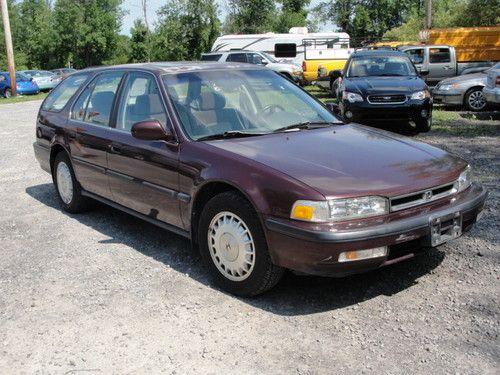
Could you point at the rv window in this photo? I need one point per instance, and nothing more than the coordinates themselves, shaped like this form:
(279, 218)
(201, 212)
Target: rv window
(285, 50)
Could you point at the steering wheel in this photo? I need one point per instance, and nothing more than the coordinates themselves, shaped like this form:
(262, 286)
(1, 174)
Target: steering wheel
(272, 108)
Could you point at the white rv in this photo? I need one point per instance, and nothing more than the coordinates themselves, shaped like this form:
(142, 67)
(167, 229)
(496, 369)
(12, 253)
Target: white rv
(297, 45)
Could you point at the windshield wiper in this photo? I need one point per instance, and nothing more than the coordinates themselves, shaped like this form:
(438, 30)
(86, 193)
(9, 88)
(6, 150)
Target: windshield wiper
(389, 75)
(306, 125)
(229, 134)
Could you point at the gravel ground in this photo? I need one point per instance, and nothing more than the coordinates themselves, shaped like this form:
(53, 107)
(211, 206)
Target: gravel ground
(103, 293)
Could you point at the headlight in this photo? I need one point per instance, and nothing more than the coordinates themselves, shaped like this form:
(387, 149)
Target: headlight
(448, 87)
(421, 95)
(339, 209)
(352, 97)
(465, 179)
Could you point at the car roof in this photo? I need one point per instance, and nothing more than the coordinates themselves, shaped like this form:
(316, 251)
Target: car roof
(378, 53)
(178, 66)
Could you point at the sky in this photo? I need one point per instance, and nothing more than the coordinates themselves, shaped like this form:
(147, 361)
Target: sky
(134, 9)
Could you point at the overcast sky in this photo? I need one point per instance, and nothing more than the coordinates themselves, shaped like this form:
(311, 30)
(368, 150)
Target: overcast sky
(134, 9)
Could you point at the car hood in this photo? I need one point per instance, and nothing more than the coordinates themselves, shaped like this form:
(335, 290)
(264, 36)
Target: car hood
(385, 85)
(476, 77)
(350, 160)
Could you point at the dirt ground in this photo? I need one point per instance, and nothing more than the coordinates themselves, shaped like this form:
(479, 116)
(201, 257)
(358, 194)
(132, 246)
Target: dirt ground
(103, 293)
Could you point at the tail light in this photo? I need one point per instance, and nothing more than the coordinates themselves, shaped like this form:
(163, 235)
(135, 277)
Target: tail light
(497, 82)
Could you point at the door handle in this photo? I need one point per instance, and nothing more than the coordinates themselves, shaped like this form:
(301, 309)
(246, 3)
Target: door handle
(114, 149)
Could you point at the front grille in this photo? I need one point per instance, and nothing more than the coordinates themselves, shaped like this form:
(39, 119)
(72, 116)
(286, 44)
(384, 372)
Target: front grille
(422, 197)
(384, 99)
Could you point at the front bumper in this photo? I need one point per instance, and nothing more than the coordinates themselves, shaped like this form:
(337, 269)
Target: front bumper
(364, 112)
(454, 98)
(492, 95)
(314, 249)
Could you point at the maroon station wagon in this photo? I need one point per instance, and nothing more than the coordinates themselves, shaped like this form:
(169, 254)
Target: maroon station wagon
(257, 173)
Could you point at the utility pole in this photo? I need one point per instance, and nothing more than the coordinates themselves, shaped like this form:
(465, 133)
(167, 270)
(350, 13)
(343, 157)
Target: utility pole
(428, 14)
(148, 35)
(8, 46)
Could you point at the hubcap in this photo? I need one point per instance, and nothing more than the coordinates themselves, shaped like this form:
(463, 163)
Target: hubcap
(64, 182)
(477, 100)
(231, 246)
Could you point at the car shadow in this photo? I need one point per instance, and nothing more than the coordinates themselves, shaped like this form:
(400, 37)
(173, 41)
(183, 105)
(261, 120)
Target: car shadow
(294, 295)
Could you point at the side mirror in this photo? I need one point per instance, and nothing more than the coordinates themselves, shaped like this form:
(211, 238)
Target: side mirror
(151, 130)
(332, 107)
(264, 62)
(336, 73)
(423, 73)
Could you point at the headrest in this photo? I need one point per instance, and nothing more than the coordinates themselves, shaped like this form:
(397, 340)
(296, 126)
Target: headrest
(103, 99)
(148, 104)
(210, 100)
(394, 66)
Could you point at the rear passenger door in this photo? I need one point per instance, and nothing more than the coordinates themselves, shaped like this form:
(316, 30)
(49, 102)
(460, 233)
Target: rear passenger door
(143, 175)
(89, 132)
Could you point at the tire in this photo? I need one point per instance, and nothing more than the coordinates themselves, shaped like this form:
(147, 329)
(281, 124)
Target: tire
(229, 220)
(474, 100)
(7, 94)
(423, 125)
(67, 187)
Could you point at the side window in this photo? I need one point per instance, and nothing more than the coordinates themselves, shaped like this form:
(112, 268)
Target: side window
(237, 57)
(255, 58)
(439, 55)
(101, 100)
(80, 106)
(416, 55)
(141, 101)
(58, 97)
(210, 57)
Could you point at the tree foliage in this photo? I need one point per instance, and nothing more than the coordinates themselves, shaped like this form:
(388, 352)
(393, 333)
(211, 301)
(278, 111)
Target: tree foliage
(140, 49)
(250, 16)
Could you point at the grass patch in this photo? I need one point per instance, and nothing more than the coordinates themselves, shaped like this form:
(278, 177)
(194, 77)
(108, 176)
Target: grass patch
(23, 98)
(468, 130)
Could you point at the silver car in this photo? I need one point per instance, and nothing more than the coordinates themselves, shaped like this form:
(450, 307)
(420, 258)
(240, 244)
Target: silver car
(466, 90)
(492, 89)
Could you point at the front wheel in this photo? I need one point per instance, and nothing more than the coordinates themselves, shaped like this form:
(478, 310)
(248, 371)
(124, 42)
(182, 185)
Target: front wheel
(7, 94)
(423, 125)
(475, 100)
(234, 248)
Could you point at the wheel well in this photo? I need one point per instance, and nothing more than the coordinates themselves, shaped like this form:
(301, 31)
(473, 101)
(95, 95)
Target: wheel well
(56, 149)
(206, 193)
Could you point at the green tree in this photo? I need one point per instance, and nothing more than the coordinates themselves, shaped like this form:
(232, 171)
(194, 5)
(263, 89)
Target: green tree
(185, 29)
(139, 43)
(250, 16)
(293, 13)
(86, 31)
(35, 39)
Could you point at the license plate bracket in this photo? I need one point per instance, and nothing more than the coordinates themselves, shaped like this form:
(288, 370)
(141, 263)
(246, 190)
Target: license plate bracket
(445, 228)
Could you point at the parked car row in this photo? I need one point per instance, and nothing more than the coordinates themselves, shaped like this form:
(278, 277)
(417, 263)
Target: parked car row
(31, 82)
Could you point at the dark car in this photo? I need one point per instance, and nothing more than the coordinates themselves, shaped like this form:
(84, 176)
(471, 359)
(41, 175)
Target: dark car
(250, 167)
(383, 85)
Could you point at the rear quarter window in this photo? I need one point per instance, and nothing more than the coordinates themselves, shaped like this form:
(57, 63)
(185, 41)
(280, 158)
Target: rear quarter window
(61, 95)
(211, 57)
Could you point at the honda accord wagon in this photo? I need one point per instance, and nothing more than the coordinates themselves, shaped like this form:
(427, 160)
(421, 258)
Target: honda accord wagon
(258, 174)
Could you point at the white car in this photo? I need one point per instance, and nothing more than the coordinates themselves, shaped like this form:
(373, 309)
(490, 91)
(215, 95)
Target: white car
(291, 71)
(492, 89)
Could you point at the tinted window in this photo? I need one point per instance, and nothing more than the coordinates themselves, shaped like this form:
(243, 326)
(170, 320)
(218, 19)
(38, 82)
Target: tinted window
(101, 100)
(141, 101)
(80, 106)
(371, 66)
(255, 58)
(237, 57)
(210, 57)
(439, 55)
(58, 97)
(416, 55)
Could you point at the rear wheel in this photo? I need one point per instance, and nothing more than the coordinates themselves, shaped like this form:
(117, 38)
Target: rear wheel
(234, 248)
(7, 93)
(474, 99)
(68, 188)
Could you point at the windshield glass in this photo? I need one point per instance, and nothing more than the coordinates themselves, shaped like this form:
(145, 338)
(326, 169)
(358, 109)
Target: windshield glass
(250, 101)
(373, 66)
(269, 57)
(21, 77)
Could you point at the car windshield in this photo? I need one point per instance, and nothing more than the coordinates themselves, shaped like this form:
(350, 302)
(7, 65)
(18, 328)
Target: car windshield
(269, 57)
(21, 77)
(242, 101)
(374, 66)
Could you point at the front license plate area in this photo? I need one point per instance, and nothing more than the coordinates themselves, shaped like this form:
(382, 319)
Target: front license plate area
(445, 228)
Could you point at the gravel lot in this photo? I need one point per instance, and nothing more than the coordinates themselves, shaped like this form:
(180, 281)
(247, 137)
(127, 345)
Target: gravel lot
(103, 293)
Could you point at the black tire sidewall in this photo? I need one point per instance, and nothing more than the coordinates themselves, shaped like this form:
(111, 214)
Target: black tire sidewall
(423, 125)
(234, 203)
